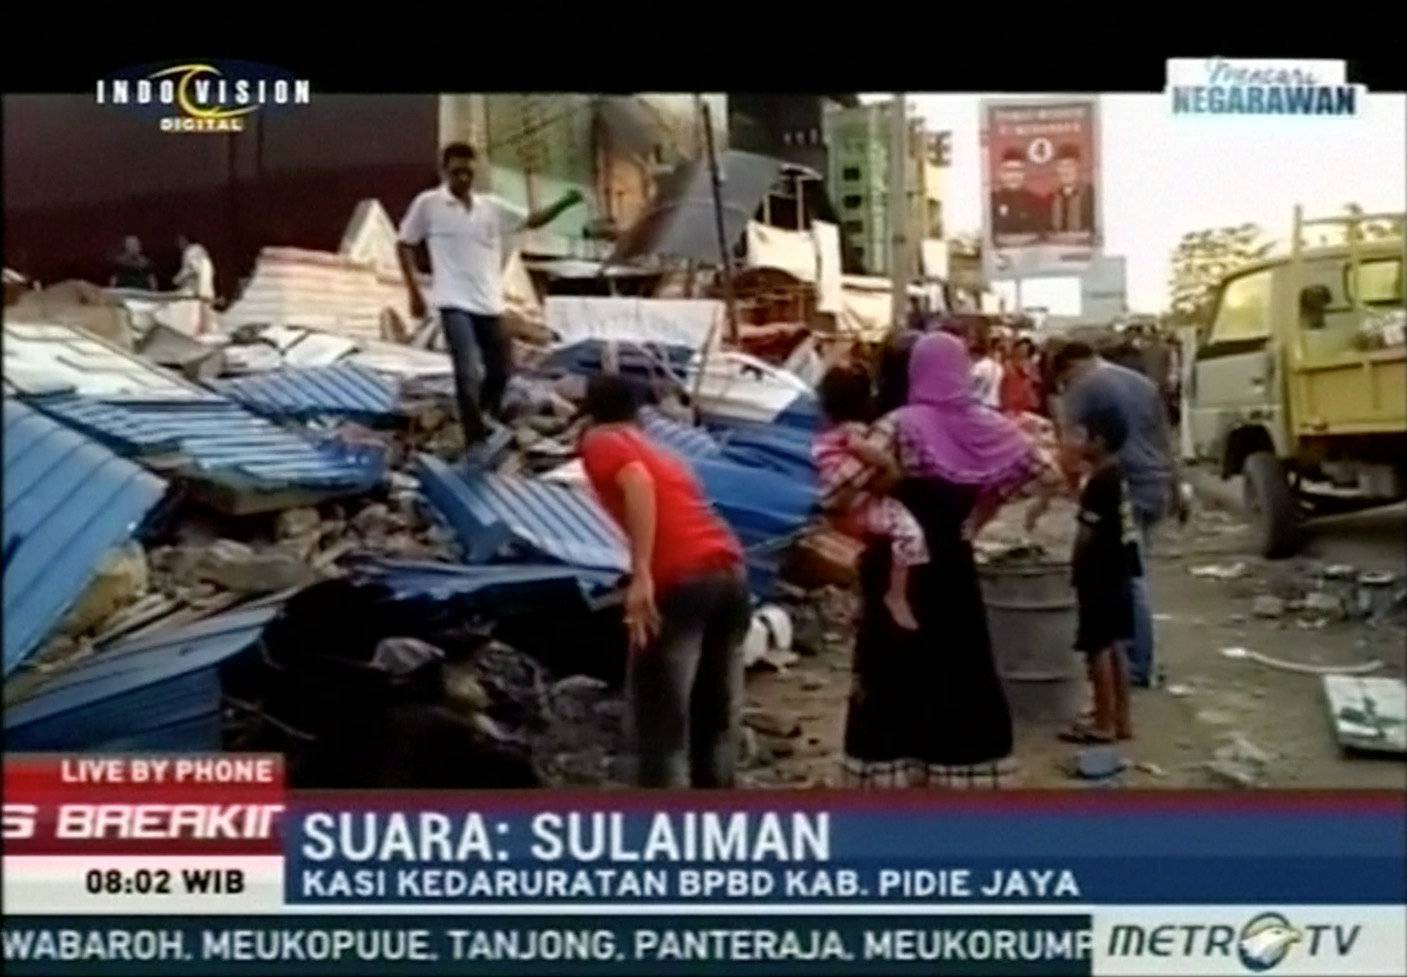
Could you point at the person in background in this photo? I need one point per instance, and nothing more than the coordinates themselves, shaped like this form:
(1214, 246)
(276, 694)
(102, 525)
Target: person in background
(986, 371)
(196, 278)
(131, 268)
(927, 707)
(1147, 460)
(1071, 206)
(1016, 210)
(859, 506)
(1104, 566)
(1019, 392)
(686, 606)
(465, 233)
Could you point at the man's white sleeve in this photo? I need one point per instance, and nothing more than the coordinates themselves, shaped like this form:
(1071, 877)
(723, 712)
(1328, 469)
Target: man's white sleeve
(511, 217)
(413, 227)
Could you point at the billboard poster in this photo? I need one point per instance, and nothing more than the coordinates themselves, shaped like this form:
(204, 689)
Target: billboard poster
(1041, 186)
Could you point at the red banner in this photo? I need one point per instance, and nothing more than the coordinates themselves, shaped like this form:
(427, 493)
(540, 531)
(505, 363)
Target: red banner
(216, 804)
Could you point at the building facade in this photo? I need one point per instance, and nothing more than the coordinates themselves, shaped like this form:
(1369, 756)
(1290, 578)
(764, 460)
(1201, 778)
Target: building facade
(857, 170)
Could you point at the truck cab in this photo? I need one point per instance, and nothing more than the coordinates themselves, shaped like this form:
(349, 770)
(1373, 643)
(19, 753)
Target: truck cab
(1299, 379)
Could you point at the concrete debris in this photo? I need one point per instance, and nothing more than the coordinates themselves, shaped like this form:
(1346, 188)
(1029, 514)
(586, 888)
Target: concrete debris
(1318, 602)
(238, 567)
(1268, 606)
(772, 723)
(401, 657)
(778, 660)
(1213, 571)
(464, 691)
(121, 580)
(375, 521)
(487, 726)
(297, 522)
(574, 697)
(1368, 714)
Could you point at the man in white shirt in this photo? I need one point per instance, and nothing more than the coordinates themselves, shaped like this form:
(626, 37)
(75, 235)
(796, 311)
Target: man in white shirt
(986, 372)
(196, 278)
(466, 233)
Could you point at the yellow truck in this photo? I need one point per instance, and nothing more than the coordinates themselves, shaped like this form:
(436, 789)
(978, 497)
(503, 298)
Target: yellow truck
(1299, 379)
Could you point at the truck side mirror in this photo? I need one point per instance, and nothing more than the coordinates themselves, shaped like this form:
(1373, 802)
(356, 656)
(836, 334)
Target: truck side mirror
(1314, 299)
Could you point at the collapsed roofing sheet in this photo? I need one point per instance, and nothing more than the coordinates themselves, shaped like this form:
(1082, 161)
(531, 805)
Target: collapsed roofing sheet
(680, 221)
(681, 323)
(412, 579)
(340, 390)
(42, 358)
(68, 502)
(222, 442)
(691, 442)
(321, 290)
(487, 511)
(159, 691)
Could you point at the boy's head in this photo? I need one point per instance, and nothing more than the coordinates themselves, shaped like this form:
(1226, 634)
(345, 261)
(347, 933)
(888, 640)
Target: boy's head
(845, 394)
(609, 400)
(1105, 432)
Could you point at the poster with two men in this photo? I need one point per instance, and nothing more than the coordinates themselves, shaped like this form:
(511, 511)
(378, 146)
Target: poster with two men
(1041, 185)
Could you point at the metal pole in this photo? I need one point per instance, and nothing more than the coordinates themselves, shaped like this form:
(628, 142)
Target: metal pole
(898, 211)
(725, 257)
(724, 252)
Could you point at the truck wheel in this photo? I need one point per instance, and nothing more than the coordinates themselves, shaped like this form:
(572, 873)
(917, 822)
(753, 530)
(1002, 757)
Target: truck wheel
(1272, 507)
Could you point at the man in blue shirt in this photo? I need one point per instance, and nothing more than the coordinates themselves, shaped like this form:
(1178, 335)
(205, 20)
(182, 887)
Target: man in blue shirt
(1147, 460)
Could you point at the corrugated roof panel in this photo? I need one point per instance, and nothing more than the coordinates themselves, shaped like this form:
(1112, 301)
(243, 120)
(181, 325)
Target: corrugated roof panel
(222, 440)
(40, 358)
(691, 442)
(449, 581)
(157, 691)
(68, 502)
(304, 393)
(486, 510)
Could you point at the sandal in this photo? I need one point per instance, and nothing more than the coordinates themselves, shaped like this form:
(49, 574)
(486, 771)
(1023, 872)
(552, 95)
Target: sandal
(1085, 734)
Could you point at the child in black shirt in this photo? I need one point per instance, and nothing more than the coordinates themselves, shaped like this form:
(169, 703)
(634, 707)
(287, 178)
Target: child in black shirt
(1104, 563)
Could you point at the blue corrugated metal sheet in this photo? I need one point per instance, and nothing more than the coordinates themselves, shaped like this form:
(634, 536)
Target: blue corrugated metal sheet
(156, 692)
(776, 447)
(222, 442)
(487, 510)
(68, 502)
(410, 579)
(338, 390)
(691, 442)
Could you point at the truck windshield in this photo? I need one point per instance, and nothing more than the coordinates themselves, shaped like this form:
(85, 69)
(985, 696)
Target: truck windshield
(1379, 282)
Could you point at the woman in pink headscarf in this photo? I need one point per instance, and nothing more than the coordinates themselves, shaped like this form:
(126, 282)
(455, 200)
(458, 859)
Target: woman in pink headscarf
(926, 706)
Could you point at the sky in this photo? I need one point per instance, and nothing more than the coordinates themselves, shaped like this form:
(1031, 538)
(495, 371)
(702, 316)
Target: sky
(1164, 176)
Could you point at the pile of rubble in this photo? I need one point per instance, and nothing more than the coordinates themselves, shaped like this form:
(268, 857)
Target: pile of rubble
(268, 542)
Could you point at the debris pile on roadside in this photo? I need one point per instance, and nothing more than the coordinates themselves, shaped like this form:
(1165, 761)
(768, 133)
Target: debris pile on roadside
(269, 541)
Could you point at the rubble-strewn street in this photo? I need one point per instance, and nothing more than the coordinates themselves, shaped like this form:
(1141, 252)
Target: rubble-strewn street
(1216, 721)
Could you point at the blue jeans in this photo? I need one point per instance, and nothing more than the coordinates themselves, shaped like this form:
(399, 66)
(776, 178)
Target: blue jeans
(480, 353)
(1141, 650)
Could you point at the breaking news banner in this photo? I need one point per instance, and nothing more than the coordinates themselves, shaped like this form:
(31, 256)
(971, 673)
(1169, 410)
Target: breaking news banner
(206, 864)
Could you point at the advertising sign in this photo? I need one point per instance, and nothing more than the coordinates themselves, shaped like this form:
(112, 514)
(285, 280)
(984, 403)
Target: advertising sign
(1041, 186)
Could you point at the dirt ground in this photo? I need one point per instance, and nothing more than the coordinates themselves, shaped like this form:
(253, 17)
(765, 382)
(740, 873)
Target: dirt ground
(1206, 702)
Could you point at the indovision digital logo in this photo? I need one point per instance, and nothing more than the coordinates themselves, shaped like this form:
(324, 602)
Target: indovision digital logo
(204, 96)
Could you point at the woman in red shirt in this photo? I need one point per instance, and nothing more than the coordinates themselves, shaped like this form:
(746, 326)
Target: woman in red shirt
(1019, 393)
(686, 608)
